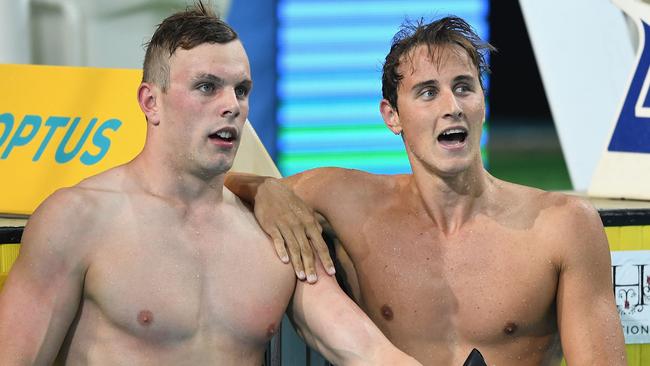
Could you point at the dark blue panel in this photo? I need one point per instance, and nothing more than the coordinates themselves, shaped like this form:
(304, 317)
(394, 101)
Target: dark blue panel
(632, 132)
(255, 22)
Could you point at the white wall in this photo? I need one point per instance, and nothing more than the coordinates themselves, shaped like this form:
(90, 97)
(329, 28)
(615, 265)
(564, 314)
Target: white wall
(14, 16)
(101, 33)
(585, 56)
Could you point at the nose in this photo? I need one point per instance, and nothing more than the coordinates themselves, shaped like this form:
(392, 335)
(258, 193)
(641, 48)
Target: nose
(230, 107)
(451, 106)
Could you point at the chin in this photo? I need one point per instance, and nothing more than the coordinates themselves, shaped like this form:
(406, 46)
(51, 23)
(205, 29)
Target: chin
(223, 167)
(214, 168)
(453, 167)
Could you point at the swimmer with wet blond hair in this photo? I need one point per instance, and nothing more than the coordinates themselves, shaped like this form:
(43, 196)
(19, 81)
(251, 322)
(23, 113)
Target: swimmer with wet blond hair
(450, 258)
(154, 262)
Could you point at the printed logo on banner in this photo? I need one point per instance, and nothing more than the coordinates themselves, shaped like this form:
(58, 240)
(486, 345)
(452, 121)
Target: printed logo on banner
(78, 122)
(624, 168)
(631, 284)
(632, 131)
(63, 149)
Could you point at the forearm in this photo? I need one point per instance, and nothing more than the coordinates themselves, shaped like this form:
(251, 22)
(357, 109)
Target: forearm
(363, 346)
(244, 185)
(333, 324)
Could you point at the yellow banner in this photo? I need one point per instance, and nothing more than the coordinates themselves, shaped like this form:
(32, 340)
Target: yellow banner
(59, 125)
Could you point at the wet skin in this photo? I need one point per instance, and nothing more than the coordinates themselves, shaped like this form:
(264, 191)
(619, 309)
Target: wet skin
(168, 283)
(155, 263)
(450, 258)
(437, 295)
(148, 263)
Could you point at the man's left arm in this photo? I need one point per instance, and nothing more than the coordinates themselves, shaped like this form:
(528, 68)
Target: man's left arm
(589, 324)
(335, 326)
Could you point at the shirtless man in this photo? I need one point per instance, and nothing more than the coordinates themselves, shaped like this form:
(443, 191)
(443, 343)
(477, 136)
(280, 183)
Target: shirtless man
(154, 262)
(449, 258)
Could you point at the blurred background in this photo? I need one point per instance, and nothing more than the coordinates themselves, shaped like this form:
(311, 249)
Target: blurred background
(316, 68)
(317, 73)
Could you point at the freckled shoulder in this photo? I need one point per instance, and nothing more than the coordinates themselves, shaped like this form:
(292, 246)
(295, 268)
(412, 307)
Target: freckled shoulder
(571, 212)
(567, 226)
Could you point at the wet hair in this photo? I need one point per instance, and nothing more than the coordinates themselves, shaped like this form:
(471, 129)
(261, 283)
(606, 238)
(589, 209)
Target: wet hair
(449, 30)
(186, 29)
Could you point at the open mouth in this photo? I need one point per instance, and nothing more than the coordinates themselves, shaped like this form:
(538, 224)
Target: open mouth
(226, 134)
(453, 136)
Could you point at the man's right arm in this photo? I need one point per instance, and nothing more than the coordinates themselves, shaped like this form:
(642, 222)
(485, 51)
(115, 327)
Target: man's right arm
(331, 323)
(41, 296)
(287, 218)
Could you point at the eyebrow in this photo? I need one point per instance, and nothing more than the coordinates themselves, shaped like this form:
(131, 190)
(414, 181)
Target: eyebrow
(434, 83)
(424, 84)
(247, 83)
(208, 77)
(465, 78)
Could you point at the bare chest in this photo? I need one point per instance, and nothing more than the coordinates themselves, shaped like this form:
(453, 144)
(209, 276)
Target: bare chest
(482, 286)
(179, 282)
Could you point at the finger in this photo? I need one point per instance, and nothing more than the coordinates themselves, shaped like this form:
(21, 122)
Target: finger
(321, 249)
(278, 243)
(294, 251)
(306, 253)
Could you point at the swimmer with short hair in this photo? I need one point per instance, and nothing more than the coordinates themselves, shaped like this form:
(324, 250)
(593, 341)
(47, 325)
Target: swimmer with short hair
(155, 262)
(449, 258)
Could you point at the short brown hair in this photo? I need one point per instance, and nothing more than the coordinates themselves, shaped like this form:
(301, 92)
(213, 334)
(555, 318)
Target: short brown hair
(447, 30)
(186, 29)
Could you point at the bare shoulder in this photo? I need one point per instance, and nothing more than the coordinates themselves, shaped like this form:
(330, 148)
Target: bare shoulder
(578, 228)
(62, 208)
(237, 206)
(570, 213)
(344, 193)
(568, 225)
(54, 235)
(336, 181)
(68, 215)
(543, 207)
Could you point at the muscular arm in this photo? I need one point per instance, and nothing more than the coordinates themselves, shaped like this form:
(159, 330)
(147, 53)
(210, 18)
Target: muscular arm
(590, 327)
(285, 208)
(41, 295)
(331, 323)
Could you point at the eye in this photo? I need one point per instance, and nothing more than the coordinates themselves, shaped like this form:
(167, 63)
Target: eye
(206, 88)
(462, 89)
(429, 93)
(241, 91)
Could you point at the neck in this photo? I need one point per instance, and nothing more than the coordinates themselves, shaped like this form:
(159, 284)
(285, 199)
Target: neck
(451, 201)
(166, 178)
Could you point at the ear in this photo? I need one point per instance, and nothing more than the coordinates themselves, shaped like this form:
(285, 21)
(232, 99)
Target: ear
(147, 98)
(390, 116)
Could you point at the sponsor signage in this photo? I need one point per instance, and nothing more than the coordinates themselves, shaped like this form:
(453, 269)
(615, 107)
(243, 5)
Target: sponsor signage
(59, 125)
(631, 284)
(624, 168)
